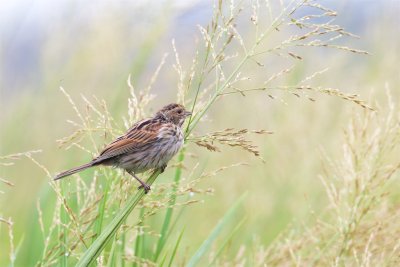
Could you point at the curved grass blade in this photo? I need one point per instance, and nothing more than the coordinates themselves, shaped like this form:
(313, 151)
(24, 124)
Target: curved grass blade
(110, 230)
(163, 260)
(62, 230)
(111, 258)
(228, 239)
(176, 247)
(101, 210)
(168, 215)
(215, 232)
(139, 242)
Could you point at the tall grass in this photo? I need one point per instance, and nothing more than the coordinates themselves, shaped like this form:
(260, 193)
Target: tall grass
(104, 220)
(6, 161)
(359, 226)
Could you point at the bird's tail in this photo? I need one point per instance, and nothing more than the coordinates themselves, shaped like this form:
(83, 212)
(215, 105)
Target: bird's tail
(74, 170)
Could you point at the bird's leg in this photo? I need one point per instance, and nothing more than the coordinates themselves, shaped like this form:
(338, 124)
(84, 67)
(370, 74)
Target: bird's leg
(143, 185)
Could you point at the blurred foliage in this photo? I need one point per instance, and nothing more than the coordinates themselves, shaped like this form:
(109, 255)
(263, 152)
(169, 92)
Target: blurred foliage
(284, 192)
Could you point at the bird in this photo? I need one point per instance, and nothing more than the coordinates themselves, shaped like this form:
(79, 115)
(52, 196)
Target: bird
(148, 144)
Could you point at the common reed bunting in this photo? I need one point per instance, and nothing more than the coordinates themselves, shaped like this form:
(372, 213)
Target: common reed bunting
(148, 144)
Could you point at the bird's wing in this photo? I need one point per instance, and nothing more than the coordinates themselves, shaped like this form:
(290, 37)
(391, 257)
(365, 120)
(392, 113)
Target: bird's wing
(138, 137)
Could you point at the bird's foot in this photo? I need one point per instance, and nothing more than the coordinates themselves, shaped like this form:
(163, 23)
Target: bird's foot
(146, 187)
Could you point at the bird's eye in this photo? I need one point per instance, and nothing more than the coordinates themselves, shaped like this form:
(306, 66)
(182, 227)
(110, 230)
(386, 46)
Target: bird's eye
(180, 111)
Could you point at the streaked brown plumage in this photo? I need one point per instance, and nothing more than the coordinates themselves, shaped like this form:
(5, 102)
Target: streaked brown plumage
(148, 144)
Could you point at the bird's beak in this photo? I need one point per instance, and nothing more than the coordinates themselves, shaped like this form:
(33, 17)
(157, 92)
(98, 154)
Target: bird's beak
(187, 113)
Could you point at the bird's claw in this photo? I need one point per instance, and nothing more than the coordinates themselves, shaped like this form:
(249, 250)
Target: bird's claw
(146, 188)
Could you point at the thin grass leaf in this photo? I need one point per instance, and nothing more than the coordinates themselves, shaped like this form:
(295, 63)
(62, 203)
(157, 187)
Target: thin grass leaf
(163, 260)
(139, 244)
(121, 251)
(214, 234)
(111, 258)
(228, 239)
(100, 216)
(142, 254)
(168, 215)
(62, 229)
(177, 217)
(176, 247)
(110, 230)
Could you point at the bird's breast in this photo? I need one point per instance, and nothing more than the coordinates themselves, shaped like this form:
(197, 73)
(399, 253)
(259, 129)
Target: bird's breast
(171, 137)
(158, 153)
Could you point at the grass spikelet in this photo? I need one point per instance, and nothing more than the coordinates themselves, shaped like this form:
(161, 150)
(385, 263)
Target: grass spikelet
(229, 137)
(6, 182)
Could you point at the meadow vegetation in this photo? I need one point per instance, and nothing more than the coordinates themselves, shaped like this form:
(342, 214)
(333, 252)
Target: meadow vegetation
(284, 163)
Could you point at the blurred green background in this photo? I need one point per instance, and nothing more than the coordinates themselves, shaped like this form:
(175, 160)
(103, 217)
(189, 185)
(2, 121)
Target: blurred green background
(90, 48)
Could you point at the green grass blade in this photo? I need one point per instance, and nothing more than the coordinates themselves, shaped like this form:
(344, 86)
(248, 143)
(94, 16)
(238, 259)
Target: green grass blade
(215, 232)
(100, 216)
(121, 251)
(63, 232)
(229, 238)
(139, 242)
(110, 230)
(168, 215)
(182, 209)
(111, 258)
(176, 247)
(163, 260)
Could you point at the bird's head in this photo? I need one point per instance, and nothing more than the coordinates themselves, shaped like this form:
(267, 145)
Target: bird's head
(175, 113)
